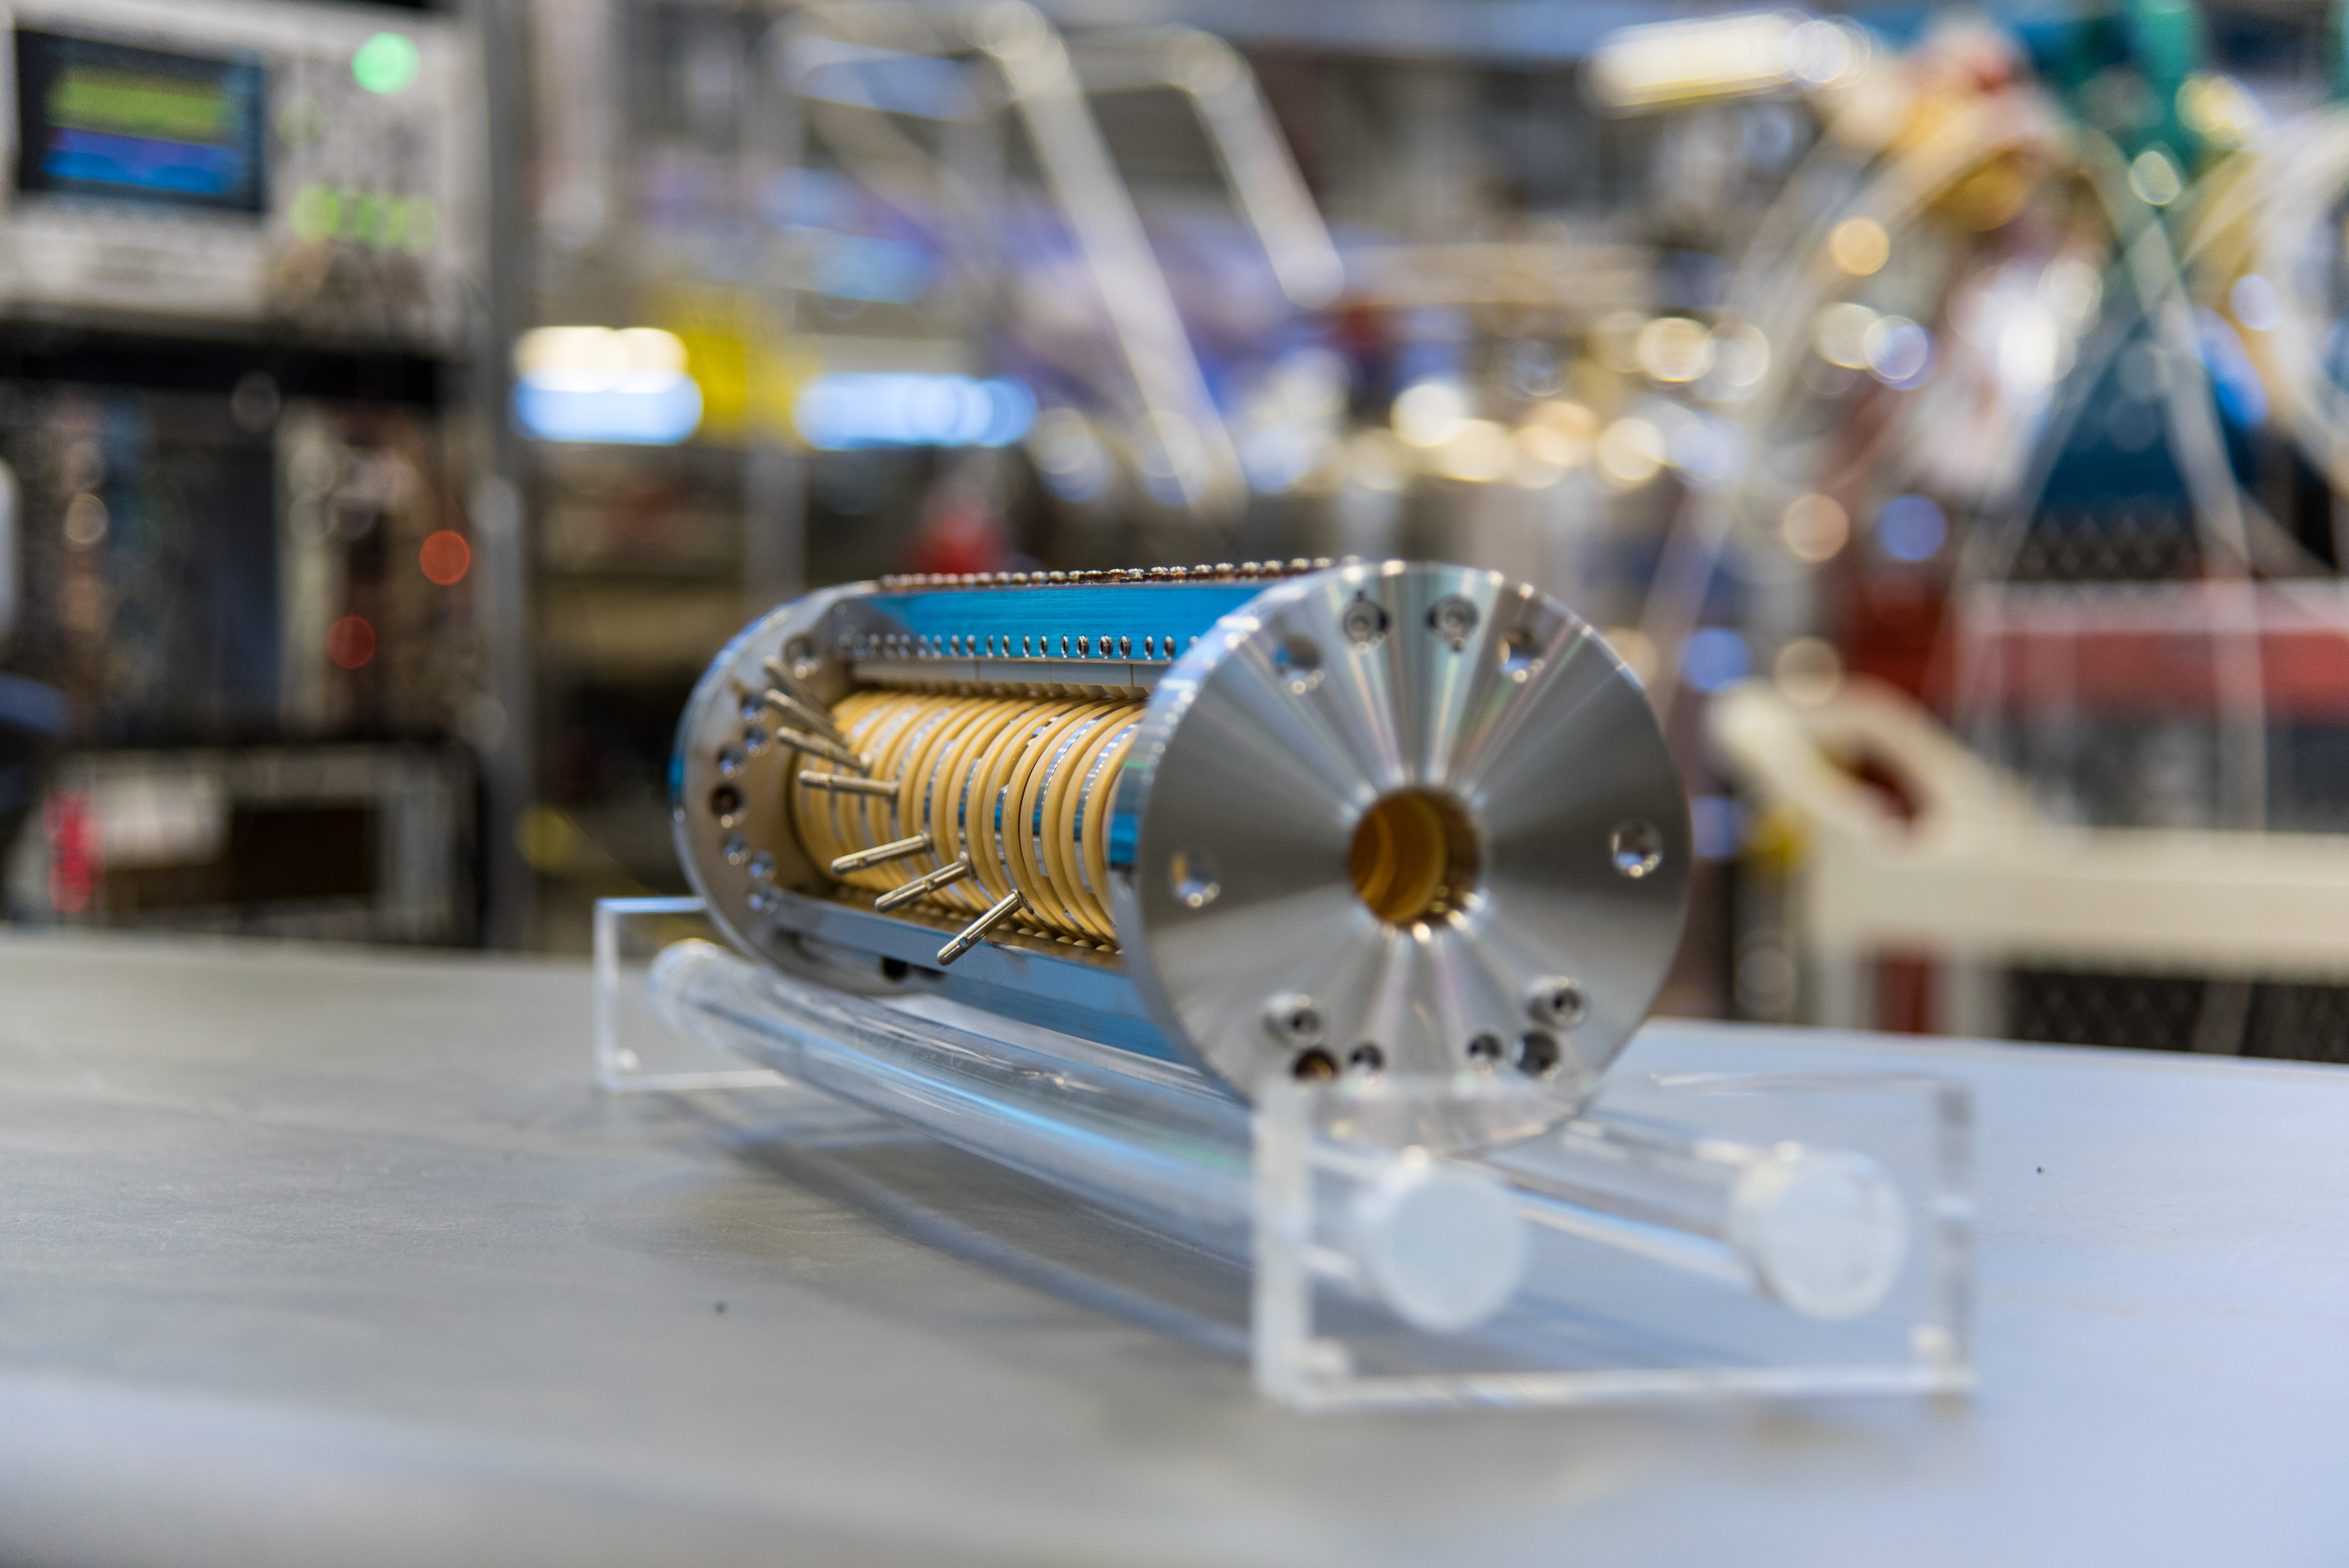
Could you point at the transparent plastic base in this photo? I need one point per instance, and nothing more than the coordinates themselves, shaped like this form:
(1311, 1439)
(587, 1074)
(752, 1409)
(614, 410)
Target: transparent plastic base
(1704, 1237)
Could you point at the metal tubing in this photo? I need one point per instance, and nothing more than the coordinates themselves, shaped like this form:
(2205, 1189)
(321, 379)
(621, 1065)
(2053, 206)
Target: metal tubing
(848, 783)
(945, 876)
(880, 853)
(816, 746)
(978, 929)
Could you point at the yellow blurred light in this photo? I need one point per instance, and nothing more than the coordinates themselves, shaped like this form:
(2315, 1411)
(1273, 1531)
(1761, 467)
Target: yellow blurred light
(547, 838)
(1859, 246)
(1631, 452)
(2155, 179)
(1676, 62)
(1551, 445)
(2218, 109)
(1674, 348)
(1571, 420)
(1429, 413)
(1840, 334)
(1815, 526)
(598, 355)
(1808, 670)
(1478, 452)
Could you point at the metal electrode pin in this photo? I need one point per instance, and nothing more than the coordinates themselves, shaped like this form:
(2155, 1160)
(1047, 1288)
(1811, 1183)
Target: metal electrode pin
(945, 876)
(814, 718)
(879, 853)
(816, 746)
(977, 930)
(848, 783)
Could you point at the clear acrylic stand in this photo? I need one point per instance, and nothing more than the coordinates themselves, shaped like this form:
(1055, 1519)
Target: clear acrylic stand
(635, 1053)
(1707, 1237)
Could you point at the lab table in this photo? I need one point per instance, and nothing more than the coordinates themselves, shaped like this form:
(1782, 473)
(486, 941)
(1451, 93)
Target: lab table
(324, 1255)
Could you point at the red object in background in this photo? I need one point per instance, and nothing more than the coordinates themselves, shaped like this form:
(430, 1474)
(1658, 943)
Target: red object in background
(961, 536)
(1904, 994)
(1892, 629)
(2156, 654)
(445, 557)
(350, 641)
(76, 851)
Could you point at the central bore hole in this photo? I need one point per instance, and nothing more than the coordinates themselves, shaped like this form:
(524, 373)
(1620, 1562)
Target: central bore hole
(1414, 855)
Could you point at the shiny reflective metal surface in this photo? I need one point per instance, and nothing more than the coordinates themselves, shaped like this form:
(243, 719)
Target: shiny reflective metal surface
(1380, 817)
(1262, 752)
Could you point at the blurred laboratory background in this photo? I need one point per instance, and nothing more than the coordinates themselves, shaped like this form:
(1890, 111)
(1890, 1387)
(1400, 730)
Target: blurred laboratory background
(1944, 409)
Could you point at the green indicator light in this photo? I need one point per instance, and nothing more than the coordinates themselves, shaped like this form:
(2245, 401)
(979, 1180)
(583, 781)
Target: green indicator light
(385, 63)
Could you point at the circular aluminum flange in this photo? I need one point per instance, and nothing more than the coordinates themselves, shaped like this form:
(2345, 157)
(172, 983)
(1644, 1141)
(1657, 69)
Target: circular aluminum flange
(727, 782)
(1235, 862)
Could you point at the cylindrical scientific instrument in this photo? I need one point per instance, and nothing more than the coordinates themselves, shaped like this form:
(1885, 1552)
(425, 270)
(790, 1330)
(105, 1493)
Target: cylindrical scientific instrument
(1302, 820)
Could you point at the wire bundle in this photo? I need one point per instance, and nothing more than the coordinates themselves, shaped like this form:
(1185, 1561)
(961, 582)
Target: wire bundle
(1020, 785)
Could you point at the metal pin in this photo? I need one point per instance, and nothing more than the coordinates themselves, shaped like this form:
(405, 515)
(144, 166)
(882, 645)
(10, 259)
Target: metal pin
(849, 784)
(814, 718)
(785, 681)
(945, 876)
(879, 853)
(815, 746)
(978, 929)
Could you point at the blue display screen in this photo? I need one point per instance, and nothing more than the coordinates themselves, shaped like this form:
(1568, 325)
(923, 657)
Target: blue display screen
(102, 119)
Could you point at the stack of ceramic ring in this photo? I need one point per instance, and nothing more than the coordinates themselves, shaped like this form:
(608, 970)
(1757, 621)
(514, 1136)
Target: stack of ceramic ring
(1019, 787)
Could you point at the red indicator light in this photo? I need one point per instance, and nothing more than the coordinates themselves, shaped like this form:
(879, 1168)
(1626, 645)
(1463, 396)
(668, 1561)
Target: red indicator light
(350, 641)
(446, 557)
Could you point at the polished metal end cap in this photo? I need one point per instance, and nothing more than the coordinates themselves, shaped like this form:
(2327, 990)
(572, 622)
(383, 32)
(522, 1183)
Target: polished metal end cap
(1403, 818)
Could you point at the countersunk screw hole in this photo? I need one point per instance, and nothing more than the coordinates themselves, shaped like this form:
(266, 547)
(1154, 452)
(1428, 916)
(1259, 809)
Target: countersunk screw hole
(1191, 873)
(1453, 619)
(1363, 622)
(1485, 1049)
(1637, 848)
(1299, 661)
(1367, 1057)
(1520, 656)
(1557, 1003)
(1314, 1066)
(1293, 1019)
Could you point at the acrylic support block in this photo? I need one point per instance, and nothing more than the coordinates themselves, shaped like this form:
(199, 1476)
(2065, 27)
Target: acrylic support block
(636, 1053)
(1705, 1238)
(1710, 1237)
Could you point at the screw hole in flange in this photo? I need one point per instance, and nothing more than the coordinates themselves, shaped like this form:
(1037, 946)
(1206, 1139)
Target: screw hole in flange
(1363, 622)
(725, 804)
(1521, 656)
(1192, 876)
(1538, 1054)
(1637, 848)
(1367, 1057)
(1314, 1066)
(1298, 661)
(1557, 1003)
(1453, 619)
(1485, 1050)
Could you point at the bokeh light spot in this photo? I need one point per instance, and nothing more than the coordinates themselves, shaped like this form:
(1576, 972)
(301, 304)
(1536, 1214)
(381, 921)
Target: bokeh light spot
(1859, 246)
(445, 557)
(386, 63)
(350, 641)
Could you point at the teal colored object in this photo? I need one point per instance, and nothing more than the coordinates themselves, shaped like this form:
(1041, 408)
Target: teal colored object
(386, 63)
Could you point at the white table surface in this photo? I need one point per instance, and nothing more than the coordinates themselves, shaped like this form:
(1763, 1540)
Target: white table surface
(327, 1256)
